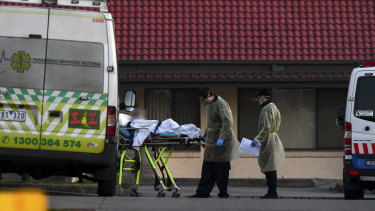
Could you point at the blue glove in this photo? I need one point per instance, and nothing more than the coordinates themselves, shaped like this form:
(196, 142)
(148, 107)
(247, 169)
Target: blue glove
(219, 142)
(254, 143)
(203, 138)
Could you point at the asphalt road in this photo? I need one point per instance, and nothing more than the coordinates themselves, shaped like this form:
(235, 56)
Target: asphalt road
(153, 203)
(242, 198)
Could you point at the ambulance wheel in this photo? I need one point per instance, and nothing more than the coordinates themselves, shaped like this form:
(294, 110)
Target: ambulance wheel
(352, 189)
(108, 187)
(353, 194)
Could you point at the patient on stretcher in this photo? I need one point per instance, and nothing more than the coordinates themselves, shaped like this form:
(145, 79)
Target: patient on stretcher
(144, 128)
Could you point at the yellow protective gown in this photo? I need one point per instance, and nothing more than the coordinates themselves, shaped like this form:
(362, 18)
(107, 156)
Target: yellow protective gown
(219, 125)
(272, 155)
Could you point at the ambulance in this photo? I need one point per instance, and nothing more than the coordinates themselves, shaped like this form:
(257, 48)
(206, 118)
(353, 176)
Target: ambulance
(59, 90)
(359, 124)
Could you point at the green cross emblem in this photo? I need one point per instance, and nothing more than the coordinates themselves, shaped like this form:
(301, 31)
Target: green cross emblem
(20, 61)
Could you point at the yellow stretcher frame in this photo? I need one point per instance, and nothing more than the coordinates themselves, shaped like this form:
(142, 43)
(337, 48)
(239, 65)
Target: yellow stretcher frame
(160, 145)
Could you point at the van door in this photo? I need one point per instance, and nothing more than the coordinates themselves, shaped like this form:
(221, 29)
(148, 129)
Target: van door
(23, 38)
(75, 105)
(363, 121)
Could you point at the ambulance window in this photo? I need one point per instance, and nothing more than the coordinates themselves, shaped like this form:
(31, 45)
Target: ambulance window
(75, 66)
(22, 62)
(364, 105)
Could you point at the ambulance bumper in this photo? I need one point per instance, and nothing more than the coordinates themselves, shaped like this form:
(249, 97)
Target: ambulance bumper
(45, 157)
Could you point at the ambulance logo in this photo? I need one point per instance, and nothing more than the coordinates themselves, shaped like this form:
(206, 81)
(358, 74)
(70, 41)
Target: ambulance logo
(84, 119)
(21, 61)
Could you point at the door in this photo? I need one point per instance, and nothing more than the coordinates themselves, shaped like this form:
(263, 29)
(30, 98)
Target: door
(23, 37)
(75, 102)
(363, 121)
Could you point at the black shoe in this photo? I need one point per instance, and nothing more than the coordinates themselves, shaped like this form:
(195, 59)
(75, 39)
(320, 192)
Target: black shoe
(223, 195)
(270, 196)
(199, 196)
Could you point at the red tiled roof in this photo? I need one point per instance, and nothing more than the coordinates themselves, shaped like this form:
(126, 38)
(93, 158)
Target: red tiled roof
(236, 76)
(244, 30)
(49, 6)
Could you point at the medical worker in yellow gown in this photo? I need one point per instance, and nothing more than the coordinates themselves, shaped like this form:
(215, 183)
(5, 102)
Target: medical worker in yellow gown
(272, 155)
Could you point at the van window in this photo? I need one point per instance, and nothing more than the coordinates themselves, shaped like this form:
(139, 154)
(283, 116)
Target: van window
(364, 105)
(75, 66)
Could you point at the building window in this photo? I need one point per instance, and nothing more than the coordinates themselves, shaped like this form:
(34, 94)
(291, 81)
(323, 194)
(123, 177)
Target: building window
(181, 105)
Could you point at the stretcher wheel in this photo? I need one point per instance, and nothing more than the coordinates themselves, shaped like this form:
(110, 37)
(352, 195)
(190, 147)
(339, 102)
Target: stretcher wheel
(176, 194)
(161, 193)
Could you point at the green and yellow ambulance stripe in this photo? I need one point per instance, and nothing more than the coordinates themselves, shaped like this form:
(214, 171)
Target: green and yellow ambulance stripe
(56, 133)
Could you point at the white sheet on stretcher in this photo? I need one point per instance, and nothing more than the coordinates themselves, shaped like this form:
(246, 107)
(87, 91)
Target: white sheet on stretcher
(167, 126)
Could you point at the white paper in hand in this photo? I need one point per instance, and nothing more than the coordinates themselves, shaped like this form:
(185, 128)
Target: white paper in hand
(245, 147)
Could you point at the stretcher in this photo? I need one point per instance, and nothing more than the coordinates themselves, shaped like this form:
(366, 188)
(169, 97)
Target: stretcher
(161, 144)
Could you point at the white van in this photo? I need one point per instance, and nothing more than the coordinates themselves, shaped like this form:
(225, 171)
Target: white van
(59, 91)
(359, 152)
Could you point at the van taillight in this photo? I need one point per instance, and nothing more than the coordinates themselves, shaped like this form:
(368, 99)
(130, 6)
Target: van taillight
(348, 138)
(111, 121)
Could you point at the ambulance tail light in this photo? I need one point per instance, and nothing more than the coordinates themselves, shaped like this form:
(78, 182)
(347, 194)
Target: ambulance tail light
(111, 121)
(348, 138)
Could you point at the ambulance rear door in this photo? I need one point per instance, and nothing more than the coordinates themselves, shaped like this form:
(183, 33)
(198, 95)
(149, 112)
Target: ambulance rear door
(23, 35)
(76, 94)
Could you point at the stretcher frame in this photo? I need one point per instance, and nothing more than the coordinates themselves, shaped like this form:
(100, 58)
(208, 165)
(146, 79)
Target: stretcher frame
(160, 145)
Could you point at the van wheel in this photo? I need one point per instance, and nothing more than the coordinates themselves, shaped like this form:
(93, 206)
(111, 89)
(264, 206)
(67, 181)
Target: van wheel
(353, 194)
(108, 187)
(352, 189)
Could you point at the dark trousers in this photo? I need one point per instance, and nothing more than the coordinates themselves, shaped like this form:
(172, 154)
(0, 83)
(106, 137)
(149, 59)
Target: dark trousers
(214, 172)
(271, 177)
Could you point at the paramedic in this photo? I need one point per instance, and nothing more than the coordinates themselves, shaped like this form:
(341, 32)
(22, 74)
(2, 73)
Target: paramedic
(272, 155)
(220, 140)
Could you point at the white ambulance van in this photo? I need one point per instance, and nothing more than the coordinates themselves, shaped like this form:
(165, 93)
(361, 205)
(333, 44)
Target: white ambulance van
(359, 148)
(58, 91)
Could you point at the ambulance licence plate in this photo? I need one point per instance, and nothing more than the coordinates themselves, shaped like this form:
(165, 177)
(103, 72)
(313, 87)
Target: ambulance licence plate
(370, 162)
(19, 116)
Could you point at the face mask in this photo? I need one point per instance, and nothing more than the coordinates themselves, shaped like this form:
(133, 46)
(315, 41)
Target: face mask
(204, 102)
(260, 102)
